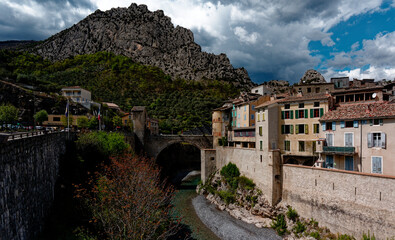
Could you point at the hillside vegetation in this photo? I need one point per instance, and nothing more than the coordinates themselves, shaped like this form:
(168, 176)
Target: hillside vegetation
(178, 104)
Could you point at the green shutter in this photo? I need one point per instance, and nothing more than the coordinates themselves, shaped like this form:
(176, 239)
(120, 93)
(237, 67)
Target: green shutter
(292, 129)
(292, 114)
(296, 114)
(296, 129)
(306, 129)
(306, 113)
(282, 114)
(311, 113)
(321, 112)
(282, 129)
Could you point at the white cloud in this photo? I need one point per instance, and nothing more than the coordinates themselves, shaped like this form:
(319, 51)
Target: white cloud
(245, 37)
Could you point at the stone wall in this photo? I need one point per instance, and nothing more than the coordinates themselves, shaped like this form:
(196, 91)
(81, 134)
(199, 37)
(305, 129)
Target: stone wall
(261, 166)
(343, 201)
(207, 163)
(28, 172)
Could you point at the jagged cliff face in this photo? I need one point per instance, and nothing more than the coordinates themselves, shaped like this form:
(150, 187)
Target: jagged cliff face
(312, 76)
(147, 37)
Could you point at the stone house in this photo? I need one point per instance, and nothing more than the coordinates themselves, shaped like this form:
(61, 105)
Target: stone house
(359, 138)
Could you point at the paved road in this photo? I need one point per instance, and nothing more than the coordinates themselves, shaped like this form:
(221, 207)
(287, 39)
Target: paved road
(226, 227)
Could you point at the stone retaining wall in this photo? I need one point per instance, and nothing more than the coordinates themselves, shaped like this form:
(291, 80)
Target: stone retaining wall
(28, 173)
(344, 201)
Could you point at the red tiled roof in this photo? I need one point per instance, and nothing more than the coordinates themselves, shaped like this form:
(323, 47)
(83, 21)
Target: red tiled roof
(265, 104)
(361, 111)
(305, 98)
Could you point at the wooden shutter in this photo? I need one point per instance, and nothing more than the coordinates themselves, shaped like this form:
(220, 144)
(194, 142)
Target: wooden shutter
(282, 114)
(306, 113)
(356, 124)
(321, 112)
(342, 124)
(296, 114)
(263, 116)
(324, 126)
(292, 129)
(296, 128)
(383, 142)
(306, 128)
(311, 113)
(333, 126)
(292, 114)
(370, 140)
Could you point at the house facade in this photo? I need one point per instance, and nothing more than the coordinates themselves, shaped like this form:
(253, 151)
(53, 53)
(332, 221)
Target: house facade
(78, 95)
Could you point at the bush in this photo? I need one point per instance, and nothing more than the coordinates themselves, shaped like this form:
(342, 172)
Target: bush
(231, 173)
(279, 224)
(227, 196)
(292, 214)
(315, 235)
(299, 227)
(368, 237)
(345, 237)
(313, 222)
(246, 183)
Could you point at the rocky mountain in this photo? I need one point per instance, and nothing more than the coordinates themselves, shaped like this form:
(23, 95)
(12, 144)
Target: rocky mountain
(312, 76)
(147, 37)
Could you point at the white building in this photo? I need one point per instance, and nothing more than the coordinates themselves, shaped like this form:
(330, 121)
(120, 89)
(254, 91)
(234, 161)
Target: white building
(78, 95)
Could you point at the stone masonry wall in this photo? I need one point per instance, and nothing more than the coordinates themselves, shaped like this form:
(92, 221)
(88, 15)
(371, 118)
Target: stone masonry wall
(28, 172)
(345, 202)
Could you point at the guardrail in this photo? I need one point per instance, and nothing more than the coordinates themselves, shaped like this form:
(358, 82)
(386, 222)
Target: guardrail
(339, 150)
(16, 136)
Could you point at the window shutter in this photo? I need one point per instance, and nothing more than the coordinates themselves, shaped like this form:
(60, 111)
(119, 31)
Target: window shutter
(296, 129)
(323, 126)
(311, 113)
(282, 129)
(342, 124)
(321, 112)
(383, 145)
(263, 116)
(333, 126)
(258, 117)
(282, 114)
(306, 128)
(292, 114)
(371, 122)
(292, 129)
(306, 113)
(381, 122)
(370, 140)
(356, 124)
(296, 114)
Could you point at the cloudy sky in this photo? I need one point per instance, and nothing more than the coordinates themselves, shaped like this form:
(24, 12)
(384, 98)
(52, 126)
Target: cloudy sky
(272, 39)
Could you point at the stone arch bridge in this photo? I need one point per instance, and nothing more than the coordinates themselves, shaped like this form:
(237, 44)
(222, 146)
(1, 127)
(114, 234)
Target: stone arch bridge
(155, 144)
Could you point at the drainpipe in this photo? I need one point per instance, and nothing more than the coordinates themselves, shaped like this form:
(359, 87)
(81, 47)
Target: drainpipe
(360, 151)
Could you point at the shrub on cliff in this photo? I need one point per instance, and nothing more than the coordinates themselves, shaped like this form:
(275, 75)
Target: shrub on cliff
(246, 183)
(231, 173)
(129, 201)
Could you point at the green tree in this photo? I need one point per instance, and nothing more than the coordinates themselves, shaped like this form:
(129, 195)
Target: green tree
(93, 123)
(41, 116)
(67, 121)
(117, 121)
(83, 122)
(8, 113)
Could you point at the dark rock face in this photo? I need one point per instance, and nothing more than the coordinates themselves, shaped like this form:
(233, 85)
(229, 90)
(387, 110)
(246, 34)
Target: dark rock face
(147, 37)
(312, 76)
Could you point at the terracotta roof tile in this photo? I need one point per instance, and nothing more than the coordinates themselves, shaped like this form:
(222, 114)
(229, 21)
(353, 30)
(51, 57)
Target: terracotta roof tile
(361, 111)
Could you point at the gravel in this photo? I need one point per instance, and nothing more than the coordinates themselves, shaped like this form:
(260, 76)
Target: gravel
(225, 226)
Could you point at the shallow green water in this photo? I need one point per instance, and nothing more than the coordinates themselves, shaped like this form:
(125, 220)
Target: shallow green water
(183, 207)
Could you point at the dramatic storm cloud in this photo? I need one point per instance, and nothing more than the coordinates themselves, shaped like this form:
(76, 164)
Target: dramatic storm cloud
(272, 39)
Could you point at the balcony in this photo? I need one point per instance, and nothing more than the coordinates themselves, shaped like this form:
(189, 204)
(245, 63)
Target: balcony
(349, 151)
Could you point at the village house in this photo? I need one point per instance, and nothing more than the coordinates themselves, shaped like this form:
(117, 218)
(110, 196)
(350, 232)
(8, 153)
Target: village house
(78, 95)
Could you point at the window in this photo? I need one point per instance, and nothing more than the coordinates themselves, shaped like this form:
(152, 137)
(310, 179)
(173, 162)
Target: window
(317, 90)
(256, 91)
(287, 114)
(301, 105)
(377, 122)
(287, 145)
(349, 98)
(287, 106)
(339, 99)
(316, 113)
(376, 140)
(238, 115)
(329, 161)
(329, 126)
(287, 129)
(316, 127)
(260, 145)
(56, 119)
(329, 139)
(301, 114)
(349, 163)
(245, 108)
(301, 146)
(359, 97)
(349, 124)
(377, 164)
(348, 139)
(316, 104)
(252, 116)
(259, 119)
(309, 90)
(245, 117)
(301, 128)
(253, 107)
(260, 131)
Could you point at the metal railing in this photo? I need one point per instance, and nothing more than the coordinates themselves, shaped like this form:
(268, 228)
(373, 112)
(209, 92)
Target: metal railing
(339, 150)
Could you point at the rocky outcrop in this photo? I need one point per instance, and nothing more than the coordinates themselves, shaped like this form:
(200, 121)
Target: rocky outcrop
(312, 76)
(147, 37)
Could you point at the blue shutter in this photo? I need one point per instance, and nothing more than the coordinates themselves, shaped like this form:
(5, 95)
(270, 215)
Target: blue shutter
(333, 126)
(323, 126)
(356, 124)
(342, 125)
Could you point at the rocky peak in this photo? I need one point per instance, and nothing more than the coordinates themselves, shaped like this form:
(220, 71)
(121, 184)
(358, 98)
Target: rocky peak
(147, 37)
(312, 76)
